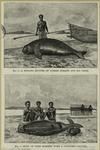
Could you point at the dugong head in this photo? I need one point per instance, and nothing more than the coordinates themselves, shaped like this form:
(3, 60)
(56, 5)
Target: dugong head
(27, 49)
(33, 48)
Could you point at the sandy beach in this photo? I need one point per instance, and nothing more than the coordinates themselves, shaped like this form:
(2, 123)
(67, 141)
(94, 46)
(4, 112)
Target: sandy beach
(14, 58)
(88, 132)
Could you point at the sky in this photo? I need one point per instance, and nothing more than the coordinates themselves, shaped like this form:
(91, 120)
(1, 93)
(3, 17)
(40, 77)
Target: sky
(63, 90)
(24, 16)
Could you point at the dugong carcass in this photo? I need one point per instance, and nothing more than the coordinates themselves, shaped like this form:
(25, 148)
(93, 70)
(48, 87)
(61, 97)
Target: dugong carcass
(50, 47)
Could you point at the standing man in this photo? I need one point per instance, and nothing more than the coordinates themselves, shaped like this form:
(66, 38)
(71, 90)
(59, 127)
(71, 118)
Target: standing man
(42, 28)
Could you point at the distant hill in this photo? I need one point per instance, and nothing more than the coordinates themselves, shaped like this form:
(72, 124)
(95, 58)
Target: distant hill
(12, 107)
(26, 32)
(19, 32)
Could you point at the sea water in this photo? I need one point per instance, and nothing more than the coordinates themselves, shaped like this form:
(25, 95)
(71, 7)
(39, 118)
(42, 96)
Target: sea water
(10, 43)
(19, 112)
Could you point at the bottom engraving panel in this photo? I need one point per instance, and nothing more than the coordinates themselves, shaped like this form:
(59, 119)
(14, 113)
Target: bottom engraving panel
(50, 109)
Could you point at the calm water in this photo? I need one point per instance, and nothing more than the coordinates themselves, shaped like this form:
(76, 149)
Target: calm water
(19, 112)
(10, 43)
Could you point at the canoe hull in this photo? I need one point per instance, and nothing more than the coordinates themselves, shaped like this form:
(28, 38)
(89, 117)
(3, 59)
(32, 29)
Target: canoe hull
(83, 34)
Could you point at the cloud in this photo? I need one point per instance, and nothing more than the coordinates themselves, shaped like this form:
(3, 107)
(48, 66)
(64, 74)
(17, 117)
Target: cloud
(25, 15)
(63, 90)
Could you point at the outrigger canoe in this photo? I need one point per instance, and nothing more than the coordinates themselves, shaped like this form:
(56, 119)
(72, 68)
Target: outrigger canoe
(45, 128)
(83, 34)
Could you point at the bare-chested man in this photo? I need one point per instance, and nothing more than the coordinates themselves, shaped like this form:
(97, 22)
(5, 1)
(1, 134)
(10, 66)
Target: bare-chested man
(27, 112)
(51, 113)
(39, 113)
(42, 28)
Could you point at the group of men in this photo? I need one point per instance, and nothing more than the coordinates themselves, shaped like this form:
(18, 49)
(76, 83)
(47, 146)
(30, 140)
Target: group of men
(37, 113)
(42, 29)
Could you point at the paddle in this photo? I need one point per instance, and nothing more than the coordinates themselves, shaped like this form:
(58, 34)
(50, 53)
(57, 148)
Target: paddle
(36, 35)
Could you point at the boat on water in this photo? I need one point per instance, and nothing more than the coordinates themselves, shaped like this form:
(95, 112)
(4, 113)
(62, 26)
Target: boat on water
(83, 34)
(45, 127)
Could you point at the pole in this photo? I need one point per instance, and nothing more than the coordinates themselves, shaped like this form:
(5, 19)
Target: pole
(35, 34)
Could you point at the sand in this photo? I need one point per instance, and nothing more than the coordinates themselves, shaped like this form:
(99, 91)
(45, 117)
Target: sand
(88, 132)
(14, 58)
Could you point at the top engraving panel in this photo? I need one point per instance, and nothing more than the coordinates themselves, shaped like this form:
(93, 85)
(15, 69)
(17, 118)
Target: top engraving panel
(50, 35)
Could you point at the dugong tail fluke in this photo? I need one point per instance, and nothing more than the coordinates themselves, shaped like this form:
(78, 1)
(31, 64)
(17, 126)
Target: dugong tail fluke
(50, 47)
(81, 54)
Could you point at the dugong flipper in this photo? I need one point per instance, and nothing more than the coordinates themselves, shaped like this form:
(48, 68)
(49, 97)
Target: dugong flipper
(37, 51)
(50, 47)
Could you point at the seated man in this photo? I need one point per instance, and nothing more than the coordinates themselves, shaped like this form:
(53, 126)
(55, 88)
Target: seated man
(27, 115)
(39, 114)
(51, 113)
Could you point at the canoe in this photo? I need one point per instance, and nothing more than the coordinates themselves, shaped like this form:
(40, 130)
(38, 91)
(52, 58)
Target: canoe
(83, 34)
(45, 127)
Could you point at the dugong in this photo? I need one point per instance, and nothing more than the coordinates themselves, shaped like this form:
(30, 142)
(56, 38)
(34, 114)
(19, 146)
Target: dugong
(46, 128)
(50, 47)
